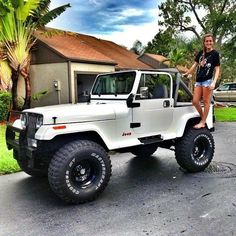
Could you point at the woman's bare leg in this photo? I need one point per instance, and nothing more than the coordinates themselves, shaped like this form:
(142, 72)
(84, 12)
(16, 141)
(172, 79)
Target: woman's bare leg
(207, 102)
(197, 94)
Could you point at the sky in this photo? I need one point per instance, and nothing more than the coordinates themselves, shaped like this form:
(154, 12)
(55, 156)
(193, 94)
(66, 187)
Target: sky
(121, 21)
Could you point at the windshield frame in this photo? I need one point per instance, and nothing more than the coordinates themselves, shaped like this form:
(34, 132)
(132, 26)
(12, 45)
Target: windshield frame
(118, 83)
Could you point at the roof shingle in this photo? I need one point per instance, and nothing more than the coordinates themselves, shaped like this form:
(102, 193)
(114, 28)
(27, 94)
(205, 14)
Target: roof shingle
(75, 46)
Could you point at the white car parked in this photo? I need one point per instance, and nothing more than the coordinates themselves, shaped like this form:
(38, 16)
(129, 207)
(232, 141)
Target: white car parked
(225, 93)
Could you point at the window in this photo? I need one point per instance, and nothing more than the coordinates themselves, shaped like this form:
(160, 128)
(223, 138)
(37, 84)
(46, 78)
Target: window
(154, 86)
(183, 96)
(232, 87)
(223, 87)
(119, 83)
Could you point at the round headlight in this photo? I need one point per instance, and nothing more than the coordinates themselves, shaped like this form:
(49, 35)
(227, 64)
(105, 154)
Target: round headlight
(39, 122)
(24, 120)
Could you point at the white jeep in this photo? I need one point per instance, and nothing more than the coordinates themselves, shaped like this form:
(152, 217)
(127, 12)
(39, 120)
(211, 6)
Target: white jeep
(129, 111)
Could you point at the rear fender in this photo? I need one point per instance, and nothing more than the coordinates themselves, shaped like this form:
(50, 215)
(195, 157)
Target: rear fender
(190, 119)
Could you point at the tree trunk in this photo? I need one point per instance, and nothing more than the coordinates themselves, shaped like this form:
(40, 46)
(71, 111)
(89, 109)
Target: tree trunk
(25, 74)
(27, 92)
(15, 76)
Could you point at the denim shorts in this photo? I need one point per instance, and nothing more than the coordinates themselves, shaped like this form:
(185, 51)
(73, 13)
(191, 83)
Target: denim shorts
(205, 83)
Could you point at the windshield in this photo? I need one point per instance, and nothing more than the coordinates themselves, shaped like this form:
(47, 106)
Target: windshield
(117, 83)
(223, 87)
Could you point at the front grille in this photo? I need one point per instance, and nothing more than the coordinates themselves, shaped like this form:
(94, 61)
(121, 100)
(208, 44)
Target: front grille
(31, 126)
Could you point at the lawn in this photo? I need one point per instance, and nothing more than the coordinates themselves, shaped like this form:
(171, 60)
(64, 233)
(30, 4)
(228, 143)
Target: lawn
(7, 163)
(225, 114)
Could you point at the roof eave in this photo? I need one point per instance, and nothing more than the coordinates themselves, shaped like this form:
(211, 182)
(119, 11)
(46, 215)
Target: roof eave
(82, 60)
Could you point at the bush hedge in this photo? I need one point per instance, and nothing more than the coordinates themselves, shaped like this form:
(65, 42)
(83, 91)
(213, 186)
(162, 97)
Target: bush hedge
(5, 102)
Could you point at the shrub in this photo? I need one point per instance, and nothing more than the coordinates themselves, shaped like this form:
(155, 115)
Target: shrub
(5, 102)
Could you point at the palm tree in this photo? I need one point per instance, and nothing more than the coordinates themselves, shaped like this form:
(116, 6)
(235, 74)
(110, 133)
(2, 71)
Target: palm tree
(42, 15)
(176, 57)
(18, 21)
(15, 36)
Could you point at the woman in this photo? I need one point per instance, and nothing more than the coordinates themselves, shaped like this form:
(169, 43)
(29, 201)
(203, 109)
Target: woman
(207, 63)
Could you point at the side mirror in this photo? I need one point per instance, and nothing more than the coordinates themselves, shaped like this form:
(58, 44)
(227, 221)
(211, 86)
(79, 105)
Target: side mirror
(130, 101)
(144, 92)
(87, 96)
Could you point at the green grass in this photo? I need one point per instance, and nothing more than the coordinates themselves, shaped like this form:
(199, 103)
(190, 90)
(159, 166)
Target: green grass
(7, 163)
(225, 114)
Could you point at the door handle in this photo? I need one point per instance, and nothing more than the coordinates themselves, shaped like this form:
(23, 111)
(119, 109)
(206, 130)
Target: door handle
(166, 103)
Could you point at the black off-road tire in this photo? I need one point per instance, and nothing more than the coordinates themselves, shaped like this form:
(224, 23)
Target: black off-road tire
(23, 164)
(195, 150)
(79, 171)
(144, 150)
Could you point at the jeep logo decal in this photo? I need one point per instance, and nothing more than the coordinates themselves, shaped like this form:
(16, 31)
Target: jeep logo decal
(126, 134)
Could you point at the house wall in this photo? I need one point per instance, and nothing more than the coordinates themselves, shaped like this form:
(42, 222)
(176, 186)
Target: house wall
(42, 77)
(47, 66)
(84, 68)
(43, 54)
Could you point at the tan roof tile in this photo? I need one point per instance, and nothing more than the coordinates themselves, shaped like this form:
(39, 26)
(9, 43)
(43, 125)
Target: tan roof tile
(88, 48)
(71, 47)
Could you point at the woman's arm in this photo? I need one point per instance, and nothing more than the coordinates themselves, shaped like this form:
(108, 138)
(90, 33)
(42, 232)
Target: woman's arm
(216, 76)
(190, 71)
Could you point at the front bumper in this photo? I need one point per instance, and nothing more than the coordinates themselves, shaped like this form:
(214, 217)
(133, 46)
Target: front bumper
(16, 139)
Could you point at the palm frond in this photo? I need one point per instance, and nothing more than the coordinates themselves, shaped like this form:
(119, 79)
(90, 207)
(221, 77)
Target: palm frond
(19, 51)
(26, 8)
(41, 10)
(5, 73)
(4, 9)
(8, 26)
(51, 15)
(37, 96)
(43, 7)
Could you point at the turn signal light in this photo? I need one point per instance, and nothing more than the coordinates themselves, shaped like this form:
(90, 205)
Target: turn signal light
(59, 127)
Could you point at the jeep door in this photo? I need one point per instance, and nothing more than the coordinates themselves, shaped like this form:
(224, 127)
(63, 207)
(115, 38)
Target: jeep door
(155, 113)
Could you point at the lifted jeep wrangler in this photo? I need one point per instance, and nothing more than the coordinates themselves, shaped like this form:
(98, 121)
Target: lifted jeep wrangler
(129, 111)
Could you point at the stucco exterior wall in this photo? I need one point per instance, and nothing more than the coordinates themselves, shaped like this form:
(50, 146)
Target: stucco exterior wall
(42, 77)
(77, 68)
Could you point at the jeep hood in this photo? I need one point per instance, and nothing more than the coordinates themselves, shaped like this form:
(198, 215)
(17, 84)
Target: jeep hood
(81, 112)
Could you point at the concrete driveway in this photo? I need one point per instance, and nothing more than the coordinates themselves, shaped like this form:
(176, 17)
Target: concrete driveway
(144, 197)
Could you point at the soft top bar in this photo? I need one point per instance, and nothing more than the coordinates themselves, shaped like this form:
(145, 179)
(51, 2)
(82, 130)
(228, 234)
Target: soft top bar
(169, 70)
